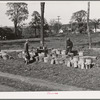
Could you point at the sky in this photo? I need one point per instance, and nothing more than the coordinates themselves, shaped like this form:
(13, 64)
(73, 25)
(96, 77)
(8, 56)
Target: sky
(64, 9)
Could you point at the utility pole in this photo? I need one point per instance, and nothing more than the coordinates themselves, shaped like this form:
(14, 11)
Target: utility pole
(88, 31)
(42, 23)
(58, 22)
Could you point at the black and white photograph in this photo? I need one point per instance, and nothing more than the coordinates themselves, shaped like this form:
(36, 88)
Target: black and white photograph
(48, 46)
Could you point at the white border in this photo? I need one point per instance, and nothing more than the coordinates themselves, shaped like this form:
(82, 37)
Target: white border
(52, 95)
(49, 94)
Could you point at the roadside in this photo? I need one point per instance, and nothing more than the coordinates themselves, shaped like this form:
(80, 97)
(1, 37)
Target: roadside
(41, 83)
(4, 88)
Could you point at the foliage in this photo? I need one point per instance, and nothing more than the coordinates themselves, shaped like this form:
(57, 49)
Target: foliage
(28, 32)
(79, 16)
(17, 12)
(95, 23)
(8, 32)
(79, 20)
(36, 23)
(55, 26)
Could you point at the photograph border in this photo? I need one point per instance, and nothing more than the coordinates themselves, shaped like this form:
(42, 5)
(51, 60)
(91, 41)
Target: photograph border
(68, 95)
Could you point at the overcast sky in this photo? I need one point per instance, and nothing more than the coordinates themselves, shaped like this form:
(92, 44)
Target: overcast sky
(64, 9)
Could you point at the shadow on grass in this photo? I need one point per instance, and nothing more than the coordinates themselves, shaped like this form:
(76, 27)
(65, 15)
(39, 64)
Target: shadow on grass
(32, 61)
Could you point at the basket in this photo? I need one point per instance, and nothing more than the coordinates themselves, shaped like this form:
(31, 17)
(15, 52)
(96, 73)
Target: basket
(75, 64)
(68, 64)
(52, 61)
(58, 52)
(63, 52)
(82, 65)
(5, 57)
(46, 59)
(37, 58)
(88, 61)
(75, 59)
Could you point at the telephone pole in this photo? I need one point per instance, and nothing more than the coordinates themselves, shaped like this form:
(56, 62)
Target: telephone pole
(58, 18)
(58, 22)
(88, 30)
(42, 23)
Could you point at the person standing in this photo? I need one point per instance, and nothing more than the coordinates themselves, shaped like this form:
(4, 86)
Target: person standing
(69, 45)
(26, 52)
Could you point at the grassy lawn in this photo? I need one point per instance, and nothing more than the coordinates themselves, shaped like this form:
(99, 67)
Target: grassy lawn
(89, 78)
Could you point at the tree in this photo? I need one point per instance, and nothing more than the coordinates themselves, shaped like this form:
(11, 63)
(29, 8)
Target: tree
(17, 12)
(52, 22)
(95, 23)
(36, 22)
(79, 18)
(55, 26)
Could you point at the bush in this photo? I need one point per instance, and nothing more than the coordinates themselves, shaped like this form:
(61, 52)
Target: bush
(8, 32)
(28, 32)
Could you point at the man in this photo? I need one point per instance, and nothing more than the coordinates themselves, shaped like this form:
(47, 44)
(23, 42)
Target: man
(69, 45)
(26, 52)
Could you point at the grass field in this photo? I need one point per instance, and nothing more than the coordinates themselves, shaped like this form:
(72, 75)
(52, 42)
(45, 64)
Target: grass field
(89, 78)
(22, 86)
(80, 42)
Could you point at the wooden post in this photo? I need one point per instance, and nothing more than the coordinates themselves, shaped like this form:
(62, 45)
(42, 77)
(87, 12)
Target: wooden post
(58, 22)
(88, 31)
(42, 23)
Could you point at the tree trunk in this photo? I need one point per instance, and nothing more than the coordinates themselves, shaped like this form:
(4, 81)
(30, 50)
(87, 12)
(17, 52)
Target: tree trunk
(95, 29)
(39, 32)
(35, 31)
(15, 28)
(71, 26)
